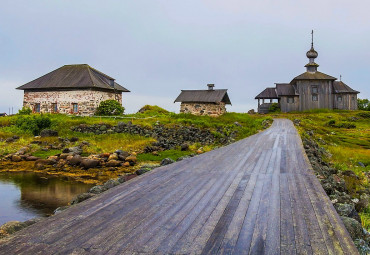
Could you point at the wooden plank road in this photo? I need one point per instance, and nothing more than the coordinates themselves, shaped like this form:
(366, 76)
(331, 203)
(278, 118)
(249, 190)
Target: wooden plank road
(256, 196)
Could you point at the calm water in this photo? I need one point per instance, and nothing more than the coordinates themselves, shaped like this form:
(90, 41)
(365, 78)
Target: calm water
(27, 195)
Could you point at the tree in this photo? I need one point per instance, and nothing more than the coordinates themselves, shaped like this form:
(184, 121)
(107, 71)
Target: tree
(110, 108)
(363, 104)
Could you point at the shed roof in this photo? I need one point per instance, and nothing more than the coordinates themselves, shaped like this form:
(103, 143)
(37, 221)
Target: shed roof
(204, 96)
(80, 76)
(341, 87)
(268, 93)
(314, 76)
(285, 89)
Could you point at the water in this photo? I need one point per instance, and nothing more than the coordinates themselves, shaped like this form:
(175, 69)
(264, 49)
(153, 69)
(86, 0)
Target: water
(24, 196)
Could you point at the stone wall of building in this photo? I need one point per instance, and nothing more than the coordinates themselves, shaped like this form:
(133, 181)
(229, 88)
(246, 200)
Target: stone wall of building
(211, 109)
(87, 100)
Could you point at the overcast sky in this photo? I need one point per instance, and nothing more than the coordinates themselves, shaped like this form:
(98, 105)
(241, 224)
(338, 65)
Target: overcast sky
(155, 48)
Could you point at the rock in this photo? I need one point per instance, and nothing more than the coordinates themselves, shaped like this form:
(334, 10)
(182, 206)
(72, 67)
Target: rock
(23, 151)
(60, 209)
(105, 155)
(350, 173)
(126, 164)
(167, 161)
(103, 128)
(75, 150)
(81, 197)
(362, 204)
(297, 122)
(113, 163)
(353, 227)
(185, 147)
(31, 158)
(48, 133)
(32, 221)
(142, 171)
(182, 158)
(122, 153)
(75, 161)
(111, 183)
(131, 159)
(97, 189)
(15, 137)
(113, 156)
(11, 227)
(53, 158)
(74, 139)
(361, 164)
(89, 163)
(237, 124)
(9, 140)
(16, 158)
(347, 210)
(362, 246)
(251, 111)
(121, 179)
(66, 150)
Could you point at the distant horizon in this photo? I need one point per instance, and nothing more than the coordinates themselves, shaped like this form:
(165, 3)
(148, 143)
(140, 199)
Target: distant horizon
(155, 49)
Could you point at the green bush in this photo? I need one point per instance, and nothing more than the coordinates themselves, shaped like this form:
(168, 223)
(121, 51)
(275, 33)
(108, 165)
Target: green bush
(33, 123)
(25, 111)
(363, 104)
(152, 109)
(274, 107)
(331, 123)
(109, 108)
(365, 115)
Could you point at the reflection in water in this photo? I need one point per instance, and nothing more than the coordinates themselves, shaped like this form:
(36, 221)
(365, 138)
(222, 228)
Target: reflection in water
(28, 195)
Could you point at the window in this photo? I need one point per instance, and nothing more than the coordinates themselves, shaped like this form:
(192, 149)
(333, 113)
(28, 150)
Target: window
(290, 100)
(315, 89)
(75, 108)
(314, 98)
(339, 98)
(37, 107)
(54, 107)
(353, 98)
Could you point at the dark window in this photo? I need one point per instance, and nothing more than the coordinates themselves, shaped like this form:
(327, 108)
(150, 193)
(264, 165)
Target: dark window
(315, 89)
(290, 100)
(75, 108)
(314, 98)
(37, 107)
(55, 107)
(353, 98)
(339, 98)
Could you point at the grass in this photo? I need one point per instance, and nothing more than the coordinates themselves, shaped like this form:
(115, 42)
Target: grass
(45, 154)
(172, 154)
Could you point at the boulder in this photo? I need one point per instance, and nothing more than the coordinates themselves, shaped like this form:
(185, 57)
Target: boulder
(237, 124)
(113, 163)
(131, 159)
(75, 150)
(251, 111)
(16, 158)
(31, 158)
(97, 189)
(347, 210)
(89, 163)
(81, 197)
(9, 140)
(111, 183)
(126, 164)
(185, 147)
(362, 204)
(353, 227)
(75, 161)
(167, 161)
(48, 133)
(113, 156)
(142, 171)
(11, 227)
(73, 139)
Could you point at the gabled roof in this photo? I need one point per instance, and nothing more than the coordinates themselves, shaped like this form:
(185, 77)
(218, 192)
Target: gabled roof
(314, 76)
(268, 93)
(285, 89)
(204, 96)
(73, 77)
(341, 87)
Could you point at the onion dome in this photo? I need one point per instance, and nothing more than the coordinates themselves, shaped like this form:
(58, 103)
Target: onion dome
(312, 53)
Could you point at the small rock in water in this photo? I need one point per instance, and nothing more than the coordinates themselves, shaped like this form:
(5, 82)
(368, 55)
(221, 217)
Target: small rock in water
(81, 197)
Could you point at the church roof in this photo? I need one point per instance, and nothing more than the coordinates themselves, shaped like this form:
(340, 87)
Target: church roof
(268, 93)
(204, 96)
(73, 77)
(314, 76)
(341, 87)
(285, 89)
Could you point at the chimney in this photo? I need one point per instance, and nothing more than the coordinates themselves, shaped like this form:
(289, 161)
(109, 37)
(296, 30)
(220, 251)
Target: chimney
(111, 83)
(210, 86)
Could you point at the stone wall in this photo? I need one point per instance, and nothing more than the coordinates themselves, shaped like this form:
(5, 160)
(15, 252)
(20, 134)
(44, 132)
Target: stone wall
(87, 100)
(211, 109)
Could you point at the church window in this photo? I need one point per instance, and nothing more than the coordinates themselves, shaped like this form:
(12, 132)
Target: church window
(37, 108)
(339, 98)
(75, 108)
(315, 89)
(290, 100)
(314, 98)
(54, 107)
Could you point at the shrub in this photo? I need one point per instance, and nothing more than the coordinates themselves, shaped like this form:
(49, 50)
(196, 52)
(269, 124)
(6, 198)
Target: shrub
(365, 115)
(25, 111)
(34, 123)
(274, 107)
(363, 104)
(110, 108)
(331, 123)
(152, 109)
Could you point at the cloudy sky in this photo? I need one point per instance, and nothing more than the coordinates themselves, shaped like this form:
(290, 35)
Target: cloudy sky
(155, 48)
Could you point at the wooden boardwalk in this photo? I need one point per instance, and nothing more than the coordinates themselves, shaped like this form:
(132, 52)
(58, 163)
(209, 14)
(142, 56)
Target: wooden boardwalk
(256, 196)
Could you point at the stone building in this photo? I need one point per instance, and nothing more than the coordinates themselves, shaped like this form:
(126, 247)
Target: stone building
(310, 90)
(71, 89)
(210, 102)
